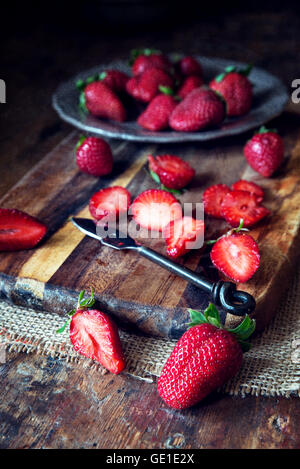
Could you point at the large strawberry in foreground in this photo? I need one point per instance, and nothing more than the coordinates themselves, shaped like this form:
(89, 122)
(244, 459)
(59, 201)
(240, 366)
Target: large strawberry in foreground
(94, 335)
(206, 356)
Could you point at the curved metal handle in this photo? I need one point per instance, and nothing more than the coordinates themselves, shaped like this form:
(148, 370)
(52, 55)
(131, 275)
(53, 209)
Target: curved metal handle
(223, 294)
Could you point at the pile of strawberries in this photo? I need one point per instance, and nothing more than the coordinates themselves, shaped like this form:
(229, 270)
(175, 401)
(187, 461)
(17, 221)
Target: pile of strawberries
(173, 93)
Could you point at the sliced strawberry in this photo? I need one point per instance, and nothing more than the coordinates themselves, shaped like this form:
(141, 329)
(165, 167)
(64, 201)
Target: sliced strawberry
(173, 172)
(249, 186)
(183, 234)
(109, 202)
(155, 208)
(94, 335)
(237, 256)
(213, 197)
(239, 205)
(19, 231)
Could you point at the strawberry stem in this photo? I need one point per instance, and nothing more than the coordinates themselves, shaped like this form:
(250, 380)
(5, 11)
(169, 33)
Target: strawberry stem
(211, 316)
(81, 305)
(233, 230)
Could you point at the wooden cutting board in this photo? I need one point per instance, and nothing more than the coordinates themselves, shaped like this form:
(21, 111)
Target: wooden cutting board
(135, 291)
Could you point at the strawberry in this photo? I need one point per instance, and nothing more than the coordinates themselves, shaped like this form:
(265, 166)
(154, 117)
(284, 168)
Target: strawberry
(101, 101)
(156, 115)
(249, 186)
(94, 335)
(108, 203)
(265, 151)
(236, 89)
(200, 109)
(94, 156)
(189, 84)
(114, 79)
(239, 205)
(213, 197)
(236, 255)
(147, 58)
(146, 86)
(153, 209)
(189, 66)
(204, 358)
(19, 231)
(183, 234)
(172, 171)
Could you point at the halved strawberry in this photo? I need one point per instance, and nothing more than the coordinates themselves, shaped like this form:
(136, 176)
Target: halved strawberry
(213, 197)
(109, 202)
(155, 208)
(173, 172)
(19, 231)
(94, 335)
(249, 186)
(239, 205)
(183, 234)
(237, 256)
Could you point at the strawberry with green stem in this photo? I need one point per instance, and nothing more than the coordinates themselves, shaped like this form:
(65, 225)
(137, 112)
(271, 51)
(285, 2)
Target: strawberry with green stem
(205, 357)
(94, 335)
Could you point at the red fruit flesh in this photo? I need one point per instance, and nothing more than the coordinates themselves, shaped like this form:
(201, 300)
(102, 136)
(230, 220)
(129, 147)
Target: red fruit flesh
(95, 335)
(236, 256)
(155, 208)
(213, 197)
(19, 231)
(265, 152)
(200, 109)
(156, 115)
(183, 234)
(173, 172)
(94, 157)
(239, 205)
(203, 359)
(109, 202)
(236, 90)
(101, 101)
(249, 186)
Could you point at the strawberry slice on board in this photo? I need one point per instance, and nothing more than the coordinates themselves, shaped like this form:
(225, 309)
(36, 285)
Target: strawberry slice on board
(213, 197)
(153, 209)
(94, 335)
(249, 186)
(108, 203)
(236, 255)
(173, 172)
(183, 234)
(239, 205)
(19, 231)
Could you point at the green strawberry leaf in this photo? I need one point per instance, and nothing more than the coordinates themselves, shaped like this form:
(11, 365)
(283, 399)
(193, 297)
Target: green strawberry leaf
(154, 176)
(80, 84)
(80, 141)
(172, 191)
(102, 75)
(82, 104)
(166, 90)
(264, 129)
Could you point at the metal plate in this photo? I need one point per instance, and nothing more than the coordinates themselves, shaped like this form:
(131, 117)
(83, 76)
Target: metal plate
(270, 97)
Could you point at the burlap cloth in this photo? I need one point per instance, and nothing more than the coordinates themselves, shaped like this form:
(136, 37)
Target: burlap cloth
(270, 368)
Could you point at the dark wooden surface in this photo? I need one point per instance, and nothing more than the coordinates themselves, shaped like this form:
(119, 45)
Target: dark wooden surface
(46, 403)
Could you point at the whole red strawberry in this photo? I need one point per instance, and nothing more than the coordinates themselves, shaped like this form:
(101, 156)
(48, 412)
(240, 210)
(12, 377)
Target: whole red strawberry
(146, 86)
(189, 66)
(156, 115)
(149, 58)
(94, 156)
(189, 84)
(236, 90)
(265, 152)
(19, 231)
(101, 101)
(205, 358)
(172, 171)
(200, 109)
(114, 79)
(94, 335)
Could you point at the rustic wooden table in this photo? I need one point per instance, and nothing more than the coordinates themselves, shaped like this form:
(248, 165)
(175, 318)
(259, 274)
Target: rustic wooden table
(46, 403)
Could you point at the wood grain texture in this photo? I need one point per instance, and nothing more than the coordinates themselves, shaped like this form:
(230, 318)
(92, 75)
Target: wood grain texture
(133, 289)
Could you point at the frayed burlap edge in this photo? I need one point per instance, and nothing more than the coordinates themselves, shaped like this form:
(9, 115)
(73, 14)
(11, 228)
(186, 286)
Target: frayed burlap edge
(270, 368)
